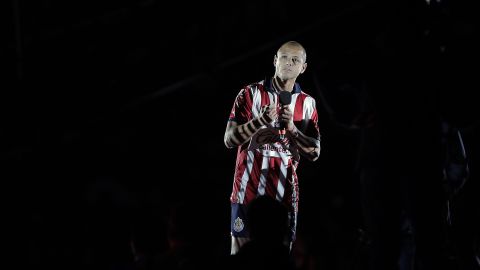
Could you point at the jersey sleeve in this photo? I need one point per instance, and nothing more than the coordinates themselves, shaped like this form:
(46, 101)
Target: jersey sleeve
(242, 108)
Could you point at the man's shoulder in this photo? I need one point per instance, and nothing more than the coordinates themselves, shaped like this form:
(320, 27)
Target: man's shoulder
(252, 88)
(259, 85)
(305, 95)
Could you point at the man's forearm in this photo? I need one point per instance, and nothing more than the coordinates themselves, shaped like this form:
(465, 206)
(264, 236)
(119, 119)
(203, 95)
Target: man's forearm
(308, 146)
(239, 134)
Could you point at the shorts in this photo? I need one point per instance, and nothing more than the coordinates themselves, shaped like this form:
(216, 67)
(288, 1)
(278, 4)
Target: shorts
(239, 223)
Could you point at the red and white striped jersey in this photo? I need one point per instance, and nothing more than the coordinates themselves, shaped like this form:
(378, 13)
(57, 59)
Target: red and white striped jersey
(266, 164)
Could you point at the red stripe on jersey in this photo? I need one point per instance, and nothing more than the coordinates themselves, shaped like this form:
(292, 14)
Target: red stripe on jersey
(298, 110)
(314, 115)
(265, 99)
(248, 99)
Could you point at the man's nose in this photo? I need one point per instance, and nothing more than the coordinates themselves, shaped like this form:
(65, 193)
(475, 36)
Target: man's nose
(292, 61)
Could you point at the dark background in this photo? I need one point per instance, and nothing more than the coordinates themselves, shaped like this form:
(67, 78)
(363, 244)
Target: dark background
(113, 112)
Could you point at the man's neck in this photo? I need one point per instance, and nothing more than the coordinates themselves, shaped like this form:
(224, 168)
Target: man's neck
(281, 85)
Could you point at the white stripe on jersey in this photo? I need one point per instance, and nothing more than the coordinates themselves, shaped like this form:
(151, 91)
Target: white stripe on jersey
(308, 107)
(263, 176)
(293, 103)
(245, 177)
(273, 98)
(256, 100)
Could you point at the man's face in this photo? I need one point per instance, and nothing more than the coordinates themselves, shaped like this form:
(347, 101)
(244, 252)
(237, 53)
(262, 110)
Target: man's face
(289, 62)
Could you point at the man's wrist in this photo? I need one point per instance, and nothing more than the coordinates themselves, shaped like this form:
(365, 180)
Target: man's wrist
(295, 133)
(257, 122)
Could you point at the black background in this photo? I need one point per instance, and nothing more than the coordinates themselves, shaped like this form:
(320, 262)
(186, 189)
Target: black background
(115, 111)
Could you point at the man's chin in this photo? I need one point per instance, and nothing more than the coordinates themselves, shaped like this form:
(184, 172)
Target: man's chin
(286, 77)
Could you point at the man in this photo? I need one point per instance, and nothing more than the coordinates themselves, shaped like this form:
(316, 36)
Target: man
(271, 133)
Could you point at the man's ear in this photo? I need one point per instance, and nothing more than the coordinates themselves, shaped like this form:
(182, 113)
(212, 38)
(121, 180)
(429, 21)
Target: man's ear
(275, 60)
(303, 68)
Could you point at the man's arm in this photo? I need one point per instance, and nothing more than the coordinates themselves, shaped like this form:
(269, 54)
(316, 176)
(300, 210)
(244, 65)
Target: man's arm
(309, 147)
(236, 135)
